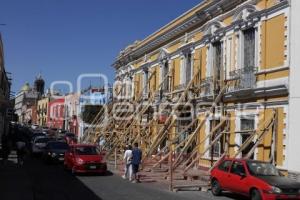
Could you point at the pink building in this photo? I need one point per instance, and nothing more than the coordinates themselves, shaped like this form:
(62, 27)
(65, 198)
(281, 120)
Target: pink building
(56, 113)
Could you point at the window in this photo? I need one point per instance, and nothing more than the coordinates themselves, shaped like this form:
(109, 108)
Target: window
(248, 78)
(123, 89)
(225, 165)
(219, 146)
(146, 77)
(188, 68)
(238, 168)
(217, 60)
(229, 56)
(249, 48)
(165, 77)
(86, 150)
(247, 124)
(258, 168)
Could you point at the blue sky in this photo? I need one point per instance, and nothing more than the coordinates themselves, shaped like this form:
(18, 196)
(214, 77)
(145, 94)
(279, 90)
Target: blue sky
(65, 38)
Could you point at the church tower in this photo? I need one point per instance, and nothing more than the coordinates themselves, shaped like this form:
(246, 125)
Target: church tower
(39, 84)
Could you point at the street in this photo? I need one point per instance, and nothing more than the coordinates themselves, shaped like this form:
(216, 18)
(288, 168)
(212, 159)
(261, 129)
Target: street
(37, 181)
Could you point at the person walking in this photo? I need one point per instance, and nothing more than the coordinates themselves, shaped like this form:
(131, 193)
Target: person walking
(136, 161)
(5, 147)
(21, 147)
(128, 163)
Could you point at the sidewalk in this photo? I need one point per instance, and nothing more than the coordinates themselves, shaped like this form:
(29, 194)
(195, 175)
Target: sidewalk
(14, 181)
(157, 179)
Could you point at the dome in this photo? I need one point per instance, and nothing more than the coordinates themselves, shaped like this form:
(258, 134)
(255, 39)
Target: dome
(25, 87)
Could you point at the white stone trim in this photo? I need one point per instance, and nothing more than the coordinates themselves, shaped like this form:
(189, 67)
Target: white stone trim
(236, 50)
(273, 82)
(175, 56)
(240, 50)
(275, 14)
(229, 63)
(200, 46)
(285, 135)
(237, 137)
(287, 36)
(257, 47)
(192, 64)
(182, 66)
(154, 65)
(209, 57)
(207, 127)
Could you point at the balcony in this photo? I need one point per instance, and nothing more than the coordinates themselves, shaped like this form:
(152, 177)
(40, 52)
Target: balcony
(243, 85)
(207, 86)
(242, 79)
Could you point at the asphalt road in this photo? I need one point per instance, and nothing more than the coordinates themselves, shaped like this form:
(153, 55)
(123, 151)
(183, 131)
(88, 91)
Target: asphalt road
(38, 181)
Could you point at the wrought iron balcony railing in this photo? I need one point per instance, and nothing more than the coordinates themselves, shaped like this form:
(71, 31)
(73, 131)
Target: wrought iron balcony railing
(207, 85)
(245, 78)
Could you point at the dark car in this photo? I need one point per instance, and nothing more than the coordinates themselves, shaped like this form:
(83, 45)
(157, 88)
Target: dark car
(255, 179)
(37, 134)
(70, 137)
(55, 151)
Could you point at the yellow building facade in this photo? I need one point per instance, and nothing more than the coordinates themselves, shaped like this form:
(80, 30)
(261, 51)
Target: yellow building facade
(42, 111)
(234, 53)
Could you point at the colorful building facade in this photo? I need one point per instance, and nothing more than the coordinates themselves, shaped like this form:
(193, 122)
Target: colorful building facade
(42, 111)
(5, 84)
(244, 50)
(71, 112)
(93, 96)
(55, 118)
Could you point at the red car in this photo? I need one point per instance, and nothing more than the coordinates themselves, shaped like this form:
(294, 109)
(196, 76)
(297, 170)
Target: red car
(82, 158)
(254, 179)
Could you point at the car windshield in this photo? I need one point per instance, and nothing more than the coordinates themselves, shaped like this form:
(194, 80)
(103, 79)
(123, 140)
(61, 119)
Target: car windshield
(262, 169)
(58, 145)
(70, 134)
(42, 140)
(86, 151)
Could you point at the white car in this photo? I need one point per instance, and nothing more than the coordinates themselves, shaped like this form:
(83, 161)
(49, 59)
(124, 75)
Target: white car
(39, 144)
(34, 126)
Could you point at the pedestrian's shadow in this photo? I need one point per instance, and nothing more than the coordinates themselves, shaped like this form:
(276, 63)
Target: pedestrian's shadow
(108, 173)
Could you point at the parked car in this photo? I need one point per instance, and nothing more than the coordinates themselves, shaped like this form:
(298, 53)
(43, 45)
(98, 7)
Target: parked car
(82, 158)
(55, 151)
(52, 132)
(45, 129)
(39, 144)
(36, 135)
(34, 126)
(70, 138)
(255, 179)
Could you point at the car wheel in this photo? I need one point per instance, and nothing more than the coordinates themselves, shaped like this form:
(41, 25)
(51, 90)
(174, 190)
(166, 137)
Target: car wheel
(255, 195)
(216, 188)
(66, 167)
(73, 170)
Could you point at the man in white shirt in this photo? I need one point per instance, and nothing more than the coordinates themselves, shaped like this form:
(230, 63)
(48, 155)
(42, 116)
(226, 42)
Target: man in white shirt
(128, 163)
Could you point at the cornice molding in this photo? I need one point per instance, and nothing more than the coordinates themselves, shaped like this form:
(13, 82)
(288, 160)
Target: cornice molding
(214, 9)
(251, 20)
